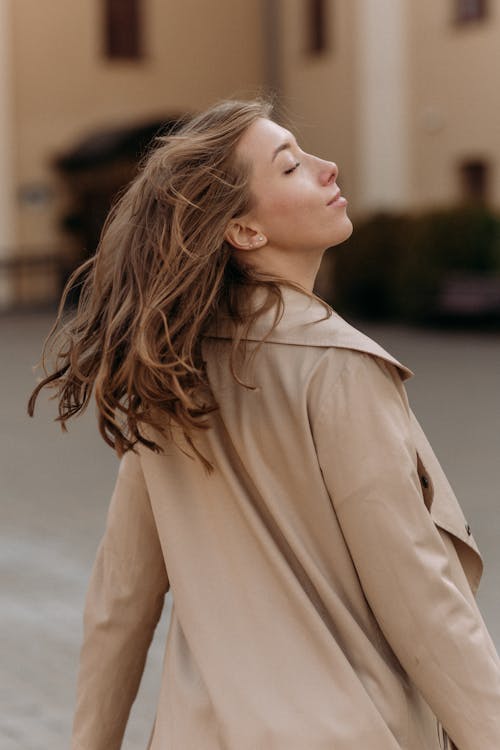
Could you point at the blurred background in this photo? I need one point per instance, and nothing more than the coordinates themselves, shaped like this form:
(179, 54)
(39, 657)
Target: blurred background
(403, 96)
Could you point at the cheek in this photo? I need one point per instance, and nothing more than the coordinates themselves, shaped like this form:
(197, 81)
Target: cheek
(291, 204)
(287, 207)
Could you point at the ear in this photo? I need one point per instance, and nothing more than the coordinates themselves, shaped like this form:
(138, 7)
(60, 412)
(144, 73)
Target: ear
(242, 236)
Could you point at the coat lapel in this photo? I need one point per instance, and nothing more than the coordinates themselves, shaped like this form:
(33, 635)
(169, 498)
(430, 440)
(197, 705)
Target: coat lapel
(302, 325)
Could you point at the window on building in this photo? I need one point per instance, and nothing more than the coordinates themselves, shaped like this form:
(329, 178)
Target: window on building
(474, 180)
(470, 10)
(122, 29)
(317, 26)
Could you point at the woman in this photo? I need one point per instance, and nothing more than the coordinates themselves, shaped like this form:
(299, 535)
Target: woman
(272, 475)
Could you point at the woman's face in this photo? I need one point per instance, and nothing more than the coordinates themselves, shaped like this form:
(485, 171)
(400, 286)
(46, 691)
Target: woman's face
(293, 193)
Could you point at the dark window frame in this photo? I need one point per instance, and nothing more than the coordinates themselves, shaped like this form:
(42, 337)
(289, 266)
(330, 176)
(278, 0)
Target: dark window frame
(475, 179)
(470, 11)
(123, 29)
(317, 16)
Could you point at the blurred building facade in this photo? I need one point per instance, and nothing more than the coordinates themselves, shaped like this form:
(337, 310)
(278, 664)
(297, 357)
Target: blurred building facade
(401, 95)
(69, 68)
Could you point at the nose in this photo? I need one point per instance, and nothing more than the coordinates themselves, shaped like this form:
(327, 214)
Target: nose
(329, 173)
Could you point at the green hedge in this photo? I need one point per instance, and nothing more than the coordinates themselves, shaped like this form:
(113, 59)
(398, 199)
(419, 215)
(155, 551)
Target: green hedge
(394, 266)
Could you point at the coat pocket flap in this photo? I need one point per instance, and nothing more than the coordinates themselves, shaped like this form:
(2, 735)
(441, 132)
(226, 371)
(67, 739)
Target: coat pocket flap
(444, 507)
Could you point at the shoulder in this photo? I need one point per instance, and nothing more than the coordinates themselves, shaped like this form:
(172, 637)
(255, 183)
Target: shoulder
(351, 379)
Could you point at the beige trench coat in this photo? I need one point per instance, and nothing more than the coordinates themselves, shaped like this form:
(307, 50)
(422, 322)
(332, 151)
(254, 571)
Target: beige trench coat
(323, 578)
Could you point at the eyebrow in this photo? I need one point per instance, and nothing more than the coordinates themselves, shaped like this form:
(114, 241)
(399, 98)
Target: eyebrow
(281, 147)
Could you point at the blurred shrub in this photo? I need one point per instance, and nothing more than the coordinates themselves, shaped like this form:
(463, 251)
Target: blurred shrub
(394, 266)
(367, 268)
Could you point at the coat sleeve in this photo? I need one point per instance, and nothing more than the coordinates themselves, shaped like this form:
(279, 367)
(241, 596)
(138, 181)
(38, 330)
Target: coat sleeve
(123, 604)
(369, 462)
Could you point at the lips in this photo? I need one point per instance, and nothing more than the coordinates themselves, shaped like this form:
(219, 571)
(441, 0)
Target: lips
(337, 195)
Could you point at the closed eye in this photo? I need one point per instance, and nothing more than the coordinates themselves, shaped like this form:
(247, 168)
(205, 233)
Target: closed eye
(292, 169)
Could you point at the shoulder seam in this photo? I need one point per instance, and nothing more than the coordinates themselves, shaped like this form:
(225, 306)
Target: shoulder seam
(382, 363)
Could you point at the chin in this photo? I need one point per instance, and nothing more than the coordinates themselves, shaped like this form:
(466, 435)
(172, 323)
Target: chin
(343, 233)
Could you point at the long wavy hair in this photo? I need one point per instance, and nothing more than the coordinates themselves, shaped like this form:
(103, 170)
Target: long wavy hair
(161, 273)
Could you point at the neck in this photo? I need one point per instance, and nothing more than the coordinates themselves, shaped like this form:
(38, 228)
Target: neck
(300, 267)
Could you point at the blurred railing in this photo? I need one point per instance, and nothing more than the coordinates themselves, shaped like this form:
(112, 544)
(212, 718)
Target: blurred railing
(30, 280)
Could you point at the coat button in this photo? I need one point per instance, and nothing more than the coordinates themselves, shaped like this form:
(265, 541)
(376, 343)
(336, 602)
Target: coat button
(467, 528)
(424, 480)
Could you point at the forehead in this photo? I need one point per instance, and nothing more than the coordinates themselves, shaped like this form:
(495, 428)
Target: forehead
(261, 138)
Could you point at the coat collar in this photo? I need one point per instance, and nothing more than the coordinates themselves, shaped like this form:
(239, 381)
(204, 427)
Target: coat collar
(301, 324)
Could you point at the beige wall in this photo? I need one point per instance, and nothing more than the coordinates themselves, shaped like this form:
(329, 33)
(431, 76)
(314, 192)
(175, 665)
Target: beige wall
(196, 52)
(6, 133)
(7, 206)
(455, 108)
(318, 89)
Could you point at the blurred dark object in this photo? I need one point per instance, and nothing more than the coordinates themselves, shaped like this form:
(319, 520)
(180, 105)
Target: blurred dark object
(440, 267)
(94, 171)
(108, 145)
(468, 293)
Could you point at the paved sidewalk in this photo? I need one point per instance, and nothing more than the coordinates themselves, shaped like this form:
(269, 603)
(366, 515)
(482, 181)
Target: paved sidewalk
(56, 486)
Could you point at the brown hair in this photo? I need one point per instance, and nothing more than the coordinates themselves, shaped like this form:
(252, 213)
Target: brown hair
(161, 271)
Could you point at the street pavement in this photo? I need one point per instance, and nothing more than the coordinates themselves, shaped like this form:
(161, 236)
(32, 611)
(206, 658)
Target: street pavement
(55, 488)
